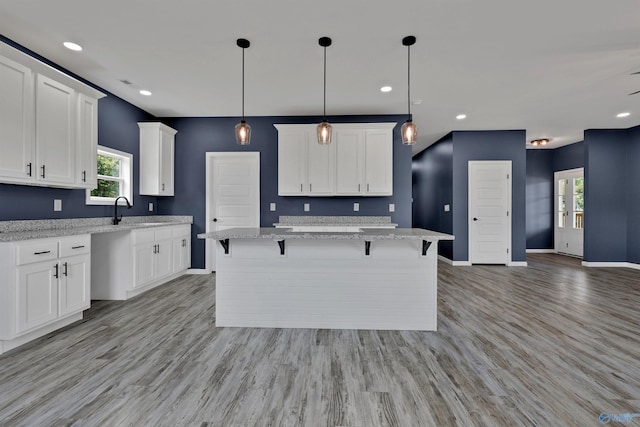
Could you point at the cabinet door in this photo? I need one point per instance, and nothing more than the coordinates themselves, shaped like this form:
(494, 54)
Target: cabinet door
(292, 162)
(74, 292)
(55, 132)
(167, 146)
(37, 295)
(87, 142)
(181, 253)
(143, 261)
(378, 162)
(349, 161)
(16, 121)
(321, 168)
(163, 261)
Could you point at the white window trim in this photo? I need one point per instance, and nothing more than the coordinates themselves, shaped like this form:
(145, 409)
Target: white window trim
(126, 172)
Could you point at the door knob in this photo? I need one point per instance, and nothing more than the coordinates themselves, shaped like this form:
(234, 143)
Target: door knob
(475, 219)
(215, 219)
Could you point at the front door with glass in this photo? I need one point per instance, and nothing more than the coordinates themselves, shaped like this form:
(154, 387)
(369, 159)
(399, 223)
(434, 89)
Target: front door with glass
(569, 211)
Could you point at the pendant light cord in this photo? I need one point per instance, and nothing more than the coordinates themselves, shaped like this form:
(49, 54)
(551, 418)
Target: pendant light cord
(242, 84)
(324, 105)
(409, 81)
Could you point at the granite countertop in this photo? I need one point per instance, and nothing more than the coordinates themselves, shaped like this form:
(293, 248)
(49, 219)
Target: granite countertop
(365, 234)
(11, 231)
(284, 221)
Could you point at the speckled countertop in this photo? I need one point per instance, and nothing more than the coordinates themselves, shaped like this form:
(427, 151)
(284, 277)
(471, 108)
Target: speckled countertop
(365, 234)
(11, 231)
(285, 221)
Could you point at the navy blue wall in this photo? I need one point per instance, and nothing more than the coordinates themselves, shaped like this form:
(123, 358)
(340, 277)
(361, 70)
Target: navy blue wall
(605, 198)
(539, 200)
(432, 181)
(489, 145)
(197, 136)
(632, 188)
(568, 157)
(117, 128)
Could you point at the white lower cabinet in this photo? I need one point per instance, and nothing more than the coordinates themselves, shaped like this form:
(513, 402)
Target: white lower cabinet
(45, 285)
(134, 261)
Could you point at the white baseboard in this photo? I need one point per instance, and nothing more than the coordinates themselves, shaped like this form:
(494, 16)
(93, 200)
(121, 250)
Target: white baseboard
(611, 264)
(198, 271)
(517, 264)
(454, 263)
(541, 251)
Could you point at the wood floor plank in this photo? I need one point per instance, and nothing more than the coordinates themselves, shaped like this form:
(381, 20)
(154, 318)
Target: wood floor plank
(553, 343)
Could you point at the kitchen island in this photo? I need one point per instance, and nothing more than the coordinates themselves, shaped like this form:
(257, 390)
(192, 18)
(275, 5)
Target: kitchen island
(357, 279)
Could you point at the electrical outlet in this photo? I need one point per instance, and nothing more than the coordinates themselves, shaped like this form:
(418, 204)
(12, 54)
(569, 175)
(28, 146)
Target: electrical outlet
(57, 205)
(356, 207)
(272, 207)
(392, 207)
(307, 207)
(447, 208)
(150, 206)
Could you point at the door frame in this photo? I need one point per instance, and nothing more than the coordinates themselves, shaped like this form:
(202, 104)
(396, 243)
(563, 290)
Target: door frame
(556, 176)
(253, 156)
(509, 206)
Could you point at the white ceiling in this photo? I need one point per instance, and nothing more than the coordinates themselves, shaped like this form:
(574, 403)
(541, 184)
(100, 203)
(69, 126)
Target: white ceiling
(552, 67)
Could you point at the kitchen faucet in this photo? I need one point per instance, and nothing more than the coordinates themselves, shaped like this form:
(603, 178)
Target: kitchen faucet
(116, 220)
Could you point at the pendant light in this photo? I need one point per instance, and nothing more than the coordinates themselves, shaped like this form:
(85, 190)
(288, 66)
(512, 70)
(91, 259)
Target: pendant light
(243, 130)
(409, 129)
(324, 128)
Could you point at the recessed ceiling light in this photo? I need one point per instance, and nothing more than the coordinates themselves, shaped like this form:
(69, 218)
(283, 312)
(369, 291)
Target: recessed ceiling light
(461, 116)
(625, 114)
(72, 46)
(145, 92)
(386, 89)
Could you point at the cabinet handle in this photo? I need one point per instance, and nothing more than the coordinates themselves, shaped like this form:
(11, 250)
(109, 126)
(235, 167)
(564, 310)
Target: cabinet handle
(154, 249)
(158, 248)
(310, 188)
(84, 176)
(358, 188)
(41, 253)
(367, 188)
(163, 186)
(56, 272)
(42, 167)
(301, 190)
(184, 242)
(65, 269)
(29, 166)
(77, 247)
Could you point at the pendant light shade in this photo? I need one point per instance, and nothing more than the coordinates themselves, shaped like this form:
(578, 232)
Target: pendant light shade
(324, 128)
(409, 129)
(243, 130)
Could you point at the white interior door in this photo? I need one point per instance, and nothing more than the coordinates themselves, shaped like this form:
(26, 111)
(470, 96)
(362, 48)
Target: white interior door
(569, 211)
(490, 212)
(233, 195)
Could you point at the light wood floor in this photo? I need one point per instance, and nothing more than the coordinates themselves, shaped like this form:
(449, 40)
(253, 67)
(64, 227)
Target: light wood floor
(550, 344)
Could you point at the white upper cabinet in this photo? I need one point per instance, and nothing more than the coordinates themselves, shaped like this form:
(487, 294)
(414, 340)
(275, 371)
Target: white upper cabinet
(87, 142)
(359, 161)
(55, 131)
(16, 116)
(48, 124)
(157, 148)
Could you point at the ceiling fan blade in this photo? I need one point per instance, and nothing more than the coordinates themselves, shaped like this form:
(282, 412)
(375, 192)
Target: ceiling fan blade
(634, 93)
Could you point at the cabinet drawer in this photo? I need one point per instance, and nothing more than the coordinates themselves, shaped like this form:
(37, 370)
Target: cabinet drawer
(163, 233)
(146, 235)
(75, 245)
(181, 230)
(40, 250)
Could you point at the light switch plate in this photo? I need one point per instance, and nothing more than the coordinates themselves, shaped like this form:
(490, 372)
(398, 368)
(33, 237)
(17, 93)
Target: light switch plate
(272, 207)
(447, 208)
(57, 205)
(356, 207)
(150, 206)
(392, 207)
(307, 207)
